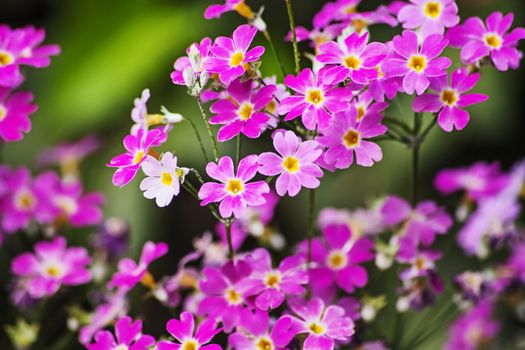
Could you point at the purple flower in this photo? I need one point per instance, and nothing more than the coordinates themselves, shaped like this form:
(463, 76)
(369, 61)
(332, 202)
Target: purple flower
(257, 335)
(431, 17)
(51, 266)
(450, 99)
(15, 109)
(216, 10)
(271, 286)
(295, 163)
(187, 337)
(230, 58)
(316, 99)
(323, 326)
(420, 265)
(130, 273)
(137, 147)
(384, 86)
(234, 192)
(242, 111)
(416, 64)
(478, 40)
(335, 11)
(517, 261)
(347, 134)
(128, 336)
(69, 154)
(356, 59)
(202, 49)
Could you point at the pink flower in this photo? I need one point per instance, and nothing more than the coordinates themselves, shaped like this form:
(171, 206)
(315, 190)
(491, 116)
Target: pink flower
(430, 16)
(323, 326)
(215, 10)
(348, 134)
(69, 153)
(234, 192)
(22, 47)
(185, 62)
(137, 147)
(242, 111)
(417, 64)
(295, 163)
(384, 86)
(450, 99)
(128, 336)
(316, 99)
(130, 273)
(230, 58)
(183, 331)
(335, 11)
(478, 40)
(15, 109)
(51, 266)
(355, 60)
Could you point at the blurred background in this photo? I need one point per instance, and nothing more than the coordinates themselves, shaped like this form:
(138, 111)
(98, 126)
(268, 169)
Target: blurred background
(112, 50)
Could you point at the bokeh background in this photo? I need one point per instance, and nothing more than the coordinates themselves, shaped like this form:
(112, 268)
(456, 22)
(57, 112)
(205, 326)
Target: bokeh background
(111, 50)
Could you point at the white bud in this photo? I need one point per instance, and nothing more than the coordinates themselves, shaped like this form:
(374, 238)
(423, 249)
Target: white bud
(189, 77)
(160, 294)
(169, 117)
(403, 304)
(203, 79)
(368, 313)
(383, 261)
(257, 228)
(277, 241)
(195, 58)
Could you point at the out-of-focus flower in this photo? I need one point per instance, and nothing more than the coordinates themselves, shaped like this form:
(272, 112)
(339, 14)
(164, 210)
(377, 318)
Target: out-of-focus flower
(143, 120)
(239, 6)
(430, 17)
(187, 337)
(338, 10)
(15, 109)
(128, 336)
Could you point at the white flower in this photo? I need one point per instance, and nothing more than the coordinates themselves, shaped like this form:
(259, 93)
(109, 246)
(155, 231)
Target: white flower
(164, 178)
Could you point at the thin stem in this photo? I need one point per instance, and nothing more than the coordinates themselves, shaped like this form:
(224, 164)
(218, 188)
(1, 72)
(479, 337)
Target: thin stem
(210, 131)
(231, 252)
(428, 129)
(204, 153)
(275, 53)
(310, 225)
(197, 175)
(397, 122)
(416, 144)
(297, 55)
(193, 191)
(238, 150)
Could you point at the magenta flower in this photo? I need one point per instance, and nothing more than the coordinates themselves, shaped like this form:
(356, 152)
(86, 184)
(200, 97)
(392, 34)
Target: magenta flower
(417, 64)
(323, 326)
(216, 10)
(335, 11)
(183, 331)
(478, 40)
(355, 60)
(242, 111)
(517, 261)
(230, 58)
(234, 192)
(316, 99)
(128, 336)
(51, 266)
(69, 153)
(271, 286)
(450, 99)
(137, 147)
(384, 86)
(22, 47)
(431, 17)
(130, 273)
(337, 259)
(15, 109)
(223, 292)
(185, 62)
(256, 333)
(347, 135)
(421, 265)
(295, 163)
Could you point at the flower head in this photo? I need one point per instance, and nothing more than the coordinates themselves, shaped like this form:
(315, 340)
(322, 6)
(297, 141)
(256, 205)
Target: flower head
(335, 11)
(216, 10)
(128, 336)
(15, 109)
(193, 63)
(187, 337)
(430, 16)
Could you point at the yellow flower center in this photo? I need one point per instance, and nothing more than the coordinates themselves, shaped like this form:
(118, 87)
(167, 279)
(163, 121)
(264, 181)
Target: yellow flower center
(138, 157)
(264, 344)
(449, 97)
(351, 138)
(291, 164)
(3, 112)
(25, 200)
(433, 9)
(189, 345)
(271, 107)
(245, 111)
(232, 297)
(237, 59)
(349, 9)
(54, 271)
(166, 179)
(417, 63)
(244, 10)
(5, 58)
(493, 41)
(352, 62)
(148, 280)
(380, 73)
(314, 96)
(234, 186)
(337, 260)
(361, 111)
(316, 328)
(320, 39)
(420, 263)
(359, 24)
(272, 279)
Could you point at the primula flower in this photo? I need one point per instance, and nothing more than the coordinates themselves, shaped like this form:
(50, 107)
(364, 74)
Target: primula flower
(22, 47)
(163, 178)
(335, 11)
(295, 163)
(347, 134)
(450, 99)
(128, 336)
(323, 326)
(257, 335)
(130, 273)
(416, 64)
(143, 120)
(137, 147)
(230, 58)
(15, 109)
(187, 337)
(242, 111)
(271, 286)
(384, 86)
(234, 192)
(52, 265)
(478, 40)
(197, 54)
(355, 59)
(316, 99)
(215, 10)
(430, 16)
(361, 221)
(69, 154)
(421, 265)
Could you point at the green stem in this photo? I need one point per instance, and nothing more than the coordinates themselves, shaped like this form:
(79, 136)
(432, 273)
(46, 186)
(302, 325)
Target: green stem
(275, 53)
(199, 139)
(402, 125)
(238, 150)
(310, 226)
(210, 131)
(416, 145)
(297, 56)
(428, 129)
(231, 252)
(197, 175)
